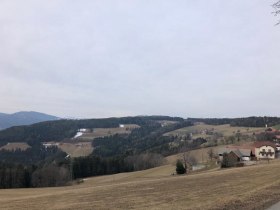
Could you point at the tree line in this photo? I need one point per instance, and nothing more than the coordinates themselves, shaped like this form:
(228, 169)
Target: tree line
(95, 166)
(57, 170)
(243, 122)
(35, 167)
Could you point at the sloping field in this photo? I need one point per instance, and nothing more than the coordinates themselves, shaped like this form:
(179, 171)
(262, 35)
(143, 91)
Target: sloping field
(15, 145)
(201, 155)
(167, 122)
(77, 149)
(239, 188)
(200, 130)
(103, 132)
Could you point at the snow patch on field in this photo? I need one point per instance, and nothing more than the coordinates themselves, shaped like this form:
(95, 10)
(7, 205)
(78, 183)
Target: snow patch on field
(78, 134)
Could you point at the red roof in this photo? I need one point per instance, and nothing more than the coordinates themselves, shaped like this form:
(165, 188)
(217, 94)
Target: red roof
(241, 147)
(259, 144)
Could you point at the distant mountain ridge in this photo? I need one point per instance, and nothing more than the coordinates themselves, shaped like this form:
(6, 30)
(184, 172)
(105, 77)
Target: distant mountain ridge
(23, 118)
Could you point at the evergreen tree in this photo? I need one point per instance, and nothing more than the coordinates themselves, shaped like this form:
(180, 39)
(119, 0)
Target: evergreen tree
(180, 169)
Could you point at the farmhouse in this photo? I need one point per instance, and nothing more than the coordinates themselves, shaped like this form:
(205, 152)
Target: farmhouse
(241, 153)
(233, 158)
(264, 150)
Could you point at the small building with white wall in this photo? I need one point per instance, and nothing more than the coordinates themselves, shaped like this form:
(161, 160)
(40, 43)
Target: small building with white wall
(264, 150)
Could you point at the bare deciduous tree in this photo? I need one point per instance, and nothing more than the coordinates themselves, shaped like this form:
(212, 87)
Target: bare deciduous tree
(211, 153)
(50, 176)
(145, 161)
(188, 160)
(276, 7)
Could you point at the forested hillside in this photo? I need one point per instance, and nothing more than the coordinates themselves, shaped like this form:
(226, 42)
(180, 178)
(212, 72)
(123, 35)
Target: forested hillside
(39, 166)
(142, 148)
(148, 138)
(62, 129)
(35, 167)
(242, 122)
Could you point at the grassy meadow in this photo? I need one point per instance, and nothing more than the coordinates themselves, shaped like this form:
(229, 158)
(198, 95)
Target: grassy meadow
(254, 187)
(77, 149)
(200, 155)
(15, 145)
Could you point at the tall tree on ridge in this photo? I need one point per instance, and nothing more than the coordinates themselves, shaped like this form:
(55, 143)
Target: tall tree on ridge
(276, 7)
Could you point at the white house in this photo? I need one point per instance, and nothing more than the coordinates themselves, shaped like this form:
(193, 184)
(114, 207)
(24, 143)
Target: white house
(264, 150)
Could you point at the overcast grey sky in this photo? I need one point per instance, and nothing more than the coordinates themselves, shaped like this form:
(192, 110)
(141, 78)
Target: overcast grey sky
(102, 58)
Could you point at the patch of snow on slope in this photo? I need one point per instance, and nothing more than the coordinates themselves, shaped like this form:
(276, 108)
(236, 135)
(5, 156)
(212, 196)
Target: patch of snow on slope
(78, 135)
(80, 132)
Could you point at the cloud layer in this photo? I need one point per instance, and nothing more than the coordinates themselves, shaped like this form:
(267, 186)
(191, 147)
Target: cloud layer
(116, 58)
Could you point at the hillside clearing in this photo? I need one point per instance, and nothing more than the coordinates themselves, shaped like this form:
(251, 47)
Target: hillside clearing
(76, 149)
(15, 146)
(238, 188)
(200, 129)
(92, 134)
(200, 155)
(166, 122)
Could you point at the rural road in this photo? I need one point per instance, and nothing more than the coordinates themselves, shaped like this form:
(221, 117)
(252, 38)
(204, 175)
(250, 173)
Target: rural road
(274, 207)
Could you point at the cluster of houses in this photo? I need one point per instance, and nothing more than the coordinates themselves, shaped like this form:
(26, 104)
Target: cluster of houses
(260, 150)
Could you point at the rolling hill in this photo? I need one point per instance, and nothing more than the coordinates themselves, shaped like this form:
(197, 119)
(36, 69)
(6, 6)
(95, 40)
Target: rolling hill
(23, 118)
(255, 187)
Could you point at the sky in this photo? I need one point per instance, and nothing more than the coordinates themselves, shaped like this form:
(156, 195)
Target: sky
(112, 58)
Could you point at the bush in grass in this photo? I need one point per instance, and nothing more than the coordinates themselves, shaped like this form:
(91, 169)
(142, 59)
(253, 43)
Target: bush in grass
(180, 169)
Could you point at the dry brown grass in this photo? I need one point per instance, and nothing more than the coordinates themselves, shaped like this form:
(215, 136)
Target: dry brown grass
(201, 155)
(16, 145)
(77, 149)
(238, 188)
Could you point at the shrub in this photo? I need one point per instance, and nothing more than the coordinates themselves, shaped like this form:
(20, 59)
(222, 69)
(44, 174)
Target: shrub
(180, 169)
